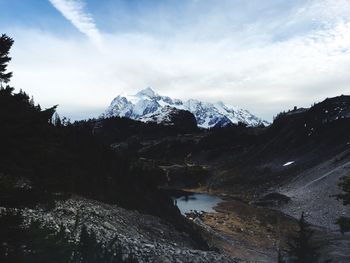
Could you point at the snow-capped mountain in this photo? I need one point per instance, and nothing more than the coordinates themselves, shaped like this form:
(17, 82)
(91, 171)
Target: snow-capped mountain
(147, 106)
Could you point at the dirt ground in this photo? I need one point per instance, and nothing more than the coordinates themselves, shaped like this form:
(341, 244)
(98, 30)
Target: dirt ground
(245, 231)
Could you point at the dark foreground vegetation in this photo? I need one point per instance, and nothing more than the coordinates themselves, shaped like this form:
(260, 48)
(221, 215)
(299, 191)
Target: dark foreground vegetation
(44, 158)
(36, 243)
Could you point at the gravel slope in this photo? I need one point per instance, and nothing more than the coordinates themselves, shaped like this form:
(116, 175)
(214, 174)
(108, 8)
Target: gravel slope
(313, 190)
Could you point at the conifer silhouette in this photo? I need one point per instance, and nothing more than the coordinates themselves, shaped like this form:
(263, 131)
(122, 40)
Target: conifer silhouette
(5, 46)
(301, 248)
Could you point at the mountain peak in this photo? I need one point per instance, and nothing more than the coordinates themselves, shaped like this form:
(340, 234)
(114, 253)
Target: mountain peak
(220, 103)
(148, 92)
(147, 104)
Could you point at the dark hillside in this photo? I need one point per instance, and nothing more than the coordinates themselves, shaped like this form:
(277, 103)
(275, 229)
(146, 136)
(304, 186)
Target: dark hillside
(240, 156)
(255, 156)
(40, 159)
(64, 157)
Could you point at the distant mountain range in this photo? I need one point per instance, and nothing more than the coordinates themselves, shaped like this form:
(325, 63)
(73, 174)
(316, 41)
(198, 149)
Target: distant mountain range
(148, 106)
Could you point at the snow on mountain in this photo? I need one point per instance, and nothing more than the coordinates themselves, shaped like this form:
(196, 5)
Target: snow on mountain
(147, 106)
(161, 115)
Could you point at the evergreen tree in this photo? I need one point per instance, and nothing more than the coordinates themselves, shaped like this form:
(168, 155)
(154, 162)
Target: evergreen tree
(89, 249)
(5, 46)
(33, 244)
(280, 258)
(345, 186)
(344, 222)
(301, 249)
(56, 120)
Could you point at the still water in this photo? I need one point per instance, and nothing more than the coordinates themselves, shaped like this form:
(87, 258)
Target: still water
(187, 202)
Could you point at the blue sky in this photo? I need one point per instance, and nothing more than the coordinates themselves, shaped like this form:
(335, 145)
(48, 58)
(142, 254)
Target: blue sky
(265, 56)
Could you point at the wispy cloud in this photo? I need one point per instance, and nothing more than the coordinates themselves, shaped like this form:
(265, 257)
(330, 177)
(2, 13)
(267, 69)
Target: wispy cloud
(263, 62)
(74, 11)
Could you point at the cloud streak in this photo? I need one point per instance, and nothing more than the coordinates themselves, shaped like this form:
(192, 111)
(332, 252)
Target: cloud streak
(270, 64)
(73, 10)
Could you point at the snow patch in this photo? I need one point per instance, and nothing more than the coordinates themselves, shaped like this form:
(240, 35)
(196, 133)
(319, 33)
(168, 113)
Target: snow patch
(288, 163)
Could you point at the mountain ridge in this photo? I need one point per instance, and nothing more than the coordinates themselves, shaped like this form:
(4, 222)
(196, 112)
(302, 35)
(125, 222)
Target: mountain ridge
(146, 104)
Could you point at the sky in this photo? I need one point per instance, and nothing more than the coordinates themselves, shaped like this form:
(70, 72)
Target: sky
(264, 56)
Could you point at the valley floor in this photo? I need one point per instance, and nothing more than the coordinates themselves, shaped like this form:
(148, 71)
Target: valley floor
(248, 232)
(256, 233)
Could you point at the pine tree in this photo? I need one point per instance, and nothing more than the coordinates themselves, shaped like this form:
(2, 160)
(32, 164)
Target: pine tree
(56, 120)
(280, 258)
(5, 46)
(345, 186)
(301, 249)
(89, 249)
(344, 222)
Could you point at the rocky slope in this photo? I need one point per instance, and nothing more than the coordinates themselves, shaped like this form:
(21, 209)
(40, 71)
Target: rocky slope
(143, 237)
(147, 106)
(313, 191)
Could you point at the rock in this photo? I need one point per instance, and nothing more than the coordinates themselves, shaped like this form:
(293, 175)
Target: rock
(139, 236)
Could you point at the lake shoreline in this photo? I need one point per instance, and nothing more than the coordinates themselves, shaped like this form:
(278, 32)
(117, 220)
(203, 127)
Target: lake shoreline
(239, 228)
(189, 202)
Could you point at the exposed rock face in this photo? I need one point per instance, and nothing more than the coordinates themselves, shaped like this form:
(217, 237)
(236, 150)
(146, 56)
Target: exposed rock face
(147, 106)
(170, 116)
(144, 237)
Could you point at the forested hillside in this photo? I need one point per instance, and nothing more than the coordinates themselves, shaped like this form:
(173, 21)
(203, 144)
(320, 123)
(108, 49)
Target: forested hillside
(45, 159)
